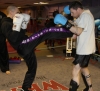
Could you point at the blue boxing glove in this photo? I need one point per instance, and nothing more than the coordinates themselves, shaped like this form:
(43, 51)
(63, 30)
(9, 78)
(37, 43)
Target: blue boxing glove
(66, 9)
(99, 27)
(60, 19)
(67, 12)
(97, 22)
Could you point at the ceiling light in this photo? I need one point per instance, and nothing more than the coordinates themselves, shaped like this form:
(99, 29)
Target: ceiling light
(18, 7)
(42, 3)
(36, 3)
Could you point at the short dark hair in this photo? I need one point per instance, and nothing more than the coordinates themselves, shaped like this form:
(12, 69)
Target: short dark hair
(75, 5)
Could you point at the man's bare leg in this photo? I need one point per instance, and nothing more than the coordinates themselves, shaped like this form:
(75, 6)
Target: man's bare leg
(74, 83)
(86, 73)
(85, 82)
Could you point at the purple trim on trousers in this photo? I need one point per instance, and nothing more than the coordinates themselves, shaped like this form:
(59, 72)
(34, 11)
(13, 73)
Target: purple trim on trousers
(44, 31)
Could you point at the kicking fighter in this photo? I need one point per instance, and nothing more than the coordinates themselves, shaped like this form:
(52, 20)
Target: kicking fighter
(84, 31)
(14, 28)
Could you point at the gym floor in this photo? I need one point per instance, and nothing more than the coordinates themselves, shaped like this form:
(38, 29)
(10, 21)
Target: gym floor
(54, 70)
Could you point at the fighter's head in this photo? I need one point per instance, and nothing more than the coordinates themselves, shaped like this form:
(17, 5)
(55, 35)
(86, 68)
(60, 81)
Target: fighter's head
(76, 9)
(11, 11)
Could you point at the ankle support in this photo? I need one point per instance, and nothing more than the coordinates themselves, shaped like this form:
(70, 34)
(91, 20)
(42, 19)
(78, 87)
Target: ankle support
(73, 86)
(85, 82)
(90, 86)
(87, 76)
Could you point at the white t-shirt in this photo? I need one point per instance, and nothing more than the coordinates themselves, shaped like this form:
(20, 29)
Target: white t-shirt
(86, 40)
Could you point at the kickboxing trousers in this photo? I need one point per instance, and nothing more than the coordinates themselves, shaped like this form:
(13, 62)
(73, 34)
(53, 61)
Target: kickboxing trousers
(4, 56)
(26, 50)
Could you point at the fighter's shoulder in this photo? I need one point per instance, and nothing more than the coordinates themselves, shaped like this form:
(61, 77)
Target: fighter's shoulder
(6, 20)
(86, 15)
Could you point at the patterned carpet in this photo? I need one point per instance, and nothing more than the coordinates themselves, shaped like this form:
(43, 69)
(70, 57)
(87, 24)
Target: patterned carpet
(53, 73)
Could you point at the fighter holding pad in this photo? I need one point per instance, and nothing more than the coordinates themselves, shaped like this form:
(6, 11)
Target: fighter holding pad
(60, 19)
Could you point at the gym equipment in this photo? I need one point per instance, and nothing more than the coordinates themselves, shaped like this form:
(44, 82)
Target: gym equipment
(96, 55)
(68, 48)
(60, 19)
(99, 28)
(97, 22)
(25, 21)
(15, 60)
(17, 21)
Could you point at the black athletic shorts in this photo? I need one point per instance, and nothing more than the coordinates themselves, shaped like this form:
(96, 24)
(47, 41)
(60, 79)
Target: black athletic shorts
(82, 60)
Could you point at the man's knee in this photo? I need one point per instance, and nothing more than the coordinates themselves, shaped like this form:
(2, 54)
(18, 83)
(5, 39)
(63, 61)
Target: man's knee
(76, 70)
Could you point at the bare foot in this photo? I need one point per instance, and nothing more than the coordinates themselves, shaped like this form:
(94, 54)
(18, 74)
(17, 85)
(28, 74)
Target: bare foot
(91, 89)
(7, 72)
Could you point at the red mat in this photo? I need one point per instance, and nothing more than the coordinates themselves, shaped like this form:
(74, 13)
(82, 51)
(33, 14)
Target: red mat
(10, 48)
